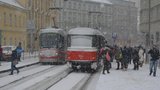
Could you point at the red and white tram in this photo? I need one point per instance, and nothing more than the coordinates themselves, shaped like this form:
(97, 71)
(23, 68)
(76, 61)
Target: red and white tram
(52, 45)
(83, 48)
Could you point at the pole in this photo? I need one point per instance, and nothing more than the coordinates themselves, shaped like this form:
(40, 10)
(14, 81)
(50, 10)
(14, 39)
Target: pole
(149, 32)
(149, 24)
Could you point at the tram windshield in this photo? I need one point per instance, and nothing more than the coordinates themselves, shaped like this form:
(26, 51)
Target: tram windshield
(81, 41)
(49, 40)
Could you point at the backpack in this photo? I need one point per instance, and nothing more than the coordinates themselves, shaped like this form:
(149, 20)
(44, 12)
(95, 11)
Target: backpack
(118, 55)
(108, 58)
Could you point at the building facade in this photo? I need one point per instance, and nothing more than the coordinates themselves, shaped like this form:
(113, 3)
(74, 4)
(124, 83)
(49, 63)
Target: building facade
(80, 13)
(125, 22)
(12, 23)
(150, 21)
(110, 16)
(39, 16)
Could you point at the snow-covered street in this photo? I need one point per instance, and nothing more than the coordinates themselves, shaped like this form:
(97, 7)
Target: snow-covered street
(129, 80)
(116, 80)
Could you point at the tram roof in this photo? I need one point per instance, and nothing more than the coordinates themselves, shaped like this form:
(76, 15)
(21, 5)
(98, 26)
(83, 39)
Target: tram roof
(85, 31)
(53, 30)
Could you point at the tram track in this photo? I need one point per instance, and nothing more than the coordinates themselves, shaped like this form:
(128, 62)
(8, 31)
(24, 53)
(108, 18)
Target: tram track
(40, 80)
(48, 78)
(4, 74)
(73, 81)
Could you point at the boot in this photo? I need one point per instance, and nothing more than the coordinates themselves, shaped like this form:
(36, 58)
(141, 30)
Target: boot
(11, 74)
(154, 74)
(150, 73)
(17, 71)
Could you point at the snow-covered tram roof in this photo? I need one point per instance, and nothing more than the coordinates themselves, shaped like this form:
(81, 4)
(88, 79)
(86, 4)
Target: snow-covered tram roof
(53, 30)
(84, 31)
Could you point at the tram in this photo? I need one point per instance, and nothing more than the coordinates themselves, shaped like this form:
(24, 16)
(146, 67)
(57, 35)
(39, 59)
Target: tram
(83, 48)
(52, 45)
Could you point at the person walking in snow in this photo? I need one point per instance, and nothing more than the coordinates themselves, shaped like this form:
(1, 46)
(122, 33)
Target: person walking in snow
(135, 59)
(154, 52)
(19, 50)
(106, 60)
(141, 56)
(14, 62)
(118, 57)
(125, 60)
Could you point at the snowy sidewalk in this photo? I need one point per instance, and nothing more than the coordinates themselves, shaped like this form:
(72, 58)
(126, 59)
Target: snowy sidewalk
(129, 80)
(6, 66)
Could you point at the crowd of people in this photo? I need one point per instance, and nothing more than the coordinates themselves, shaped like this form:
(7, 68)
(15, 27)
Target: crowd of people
(127, 55)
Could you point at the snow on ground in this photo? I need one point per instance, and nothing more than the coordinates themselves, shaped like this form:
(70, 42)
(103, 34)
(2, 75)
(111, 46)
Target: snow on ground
(129, 80)
(8, 79)
(28, 61)
(33, 81)
(69, 82)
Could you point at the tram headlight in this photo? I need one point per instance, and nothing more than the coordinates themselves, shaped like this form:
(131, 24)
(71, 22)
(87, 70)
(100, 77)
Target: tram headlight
(94, 65)
(93, 58)
(56, 53)
(41, 53)
(69, 64)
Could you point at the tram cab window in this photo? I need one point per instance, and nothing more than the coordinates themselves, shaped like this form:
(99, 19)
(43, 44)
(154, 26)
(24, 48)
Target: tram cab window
(80, 41)
(48, 40)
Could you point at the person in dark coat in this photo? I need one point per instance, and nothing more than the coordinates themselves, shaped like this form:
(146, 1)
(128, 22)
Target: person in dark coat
(154, 52)
(106, 63)
(135, 58)
(125, 58)
(13, 64)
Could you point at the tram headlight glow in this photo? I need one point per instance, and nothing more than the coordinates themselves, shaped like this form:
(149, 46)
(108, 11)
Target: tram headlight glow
(94, 65)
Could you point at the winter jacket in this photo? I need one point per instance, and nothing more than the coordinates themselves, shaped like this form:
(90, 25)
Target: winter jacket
(14, 55)
(141, 55)
(154, 54)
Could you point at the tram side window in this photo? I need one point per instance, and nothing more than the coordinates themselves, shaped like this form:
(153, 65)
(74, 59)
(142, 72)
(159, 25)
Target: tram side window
(61, 42)
(69, 41)
(94, 41)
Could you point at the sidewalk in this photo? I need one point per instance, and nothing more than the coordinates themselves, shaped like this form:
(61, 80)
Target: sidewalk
(26, 60)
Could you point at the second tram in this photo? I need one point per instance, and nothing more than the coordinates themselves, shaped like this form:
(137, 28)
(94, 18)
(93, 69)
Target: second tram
(52, 45)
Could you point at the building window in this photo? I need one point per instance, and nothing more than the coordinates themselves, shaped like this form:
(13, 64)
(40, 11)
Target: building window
(15, 17)
(10, 41)
(4, 41)
(10, 19)
(20, 21)
(5, 21)
(15, 41)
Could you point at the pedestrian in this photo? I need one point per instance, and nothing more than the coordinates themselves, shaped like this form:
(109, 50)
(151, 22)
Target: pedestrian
(135, 59)
(14, 62)
(154, 53)
(129, 54)
(141, 56)
(125, 60)
(19, 50)
(118, 57)
(106, 60)
(1, 54)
